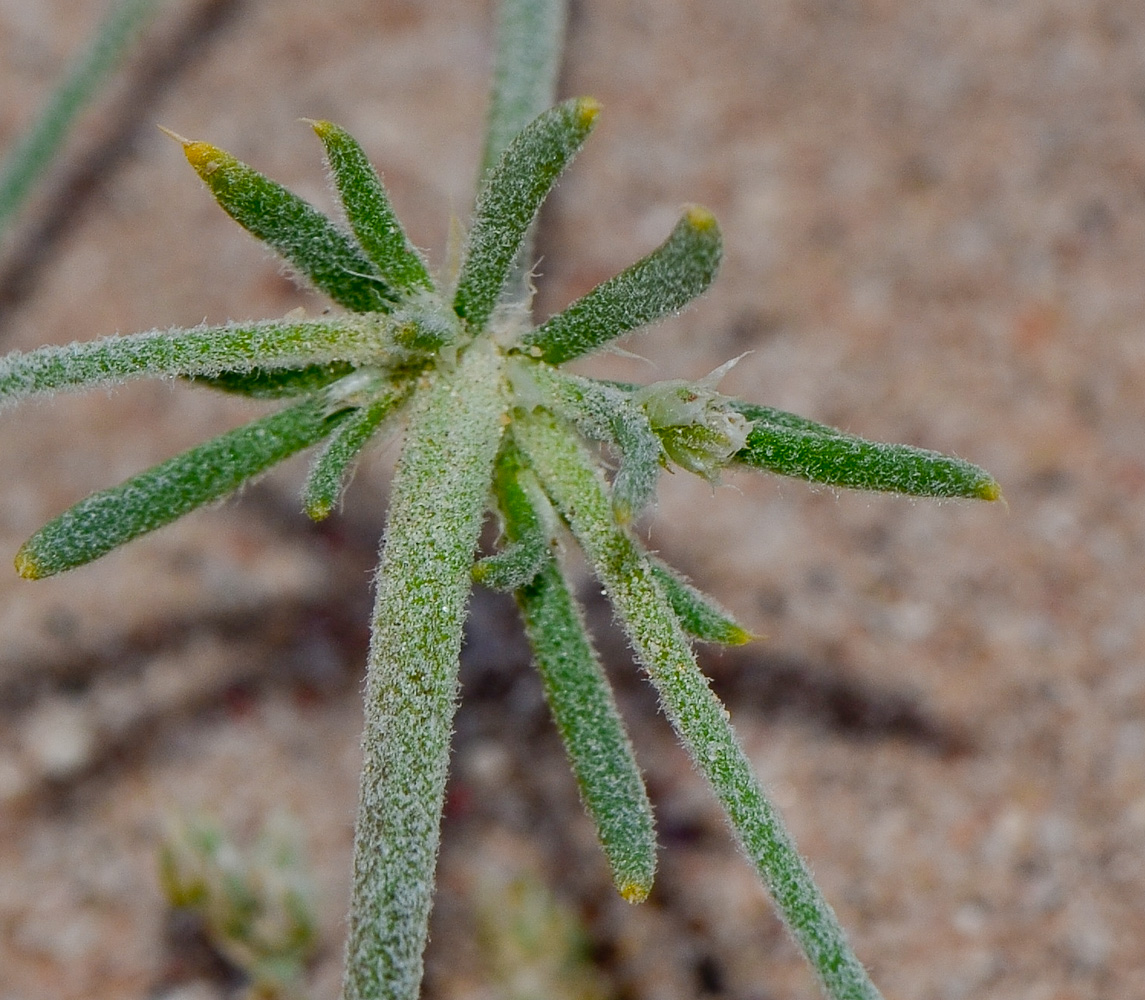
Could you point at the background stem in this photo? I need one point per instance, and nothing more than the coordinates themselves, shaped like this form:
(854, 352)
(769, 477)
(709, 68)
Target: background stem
(530, 42)
(34, 152)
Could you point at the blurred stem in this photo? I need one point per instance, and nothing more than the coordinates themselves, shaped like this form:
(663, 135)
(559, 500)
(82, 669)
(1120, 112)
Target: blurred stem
(530, 39)
(34, 152)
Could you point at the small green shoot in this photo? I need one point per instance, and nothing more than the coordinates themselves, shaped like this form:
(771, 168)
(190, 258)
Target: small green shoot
(256, 907)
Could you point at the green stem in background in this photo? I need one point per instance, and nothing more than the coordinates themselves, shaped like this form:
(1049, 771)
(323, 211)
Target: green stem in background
(530, 39)
(580, 494)
(35, 151)
(438, 499)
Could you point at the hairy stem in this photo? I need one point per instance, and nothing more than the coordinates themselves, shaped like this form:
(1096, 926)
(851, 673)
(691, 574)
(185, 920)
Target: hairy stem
(439, 496)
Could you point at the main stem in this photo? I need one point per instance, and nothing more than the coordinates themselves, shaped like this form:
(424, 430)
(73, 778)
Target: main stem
(438, 499)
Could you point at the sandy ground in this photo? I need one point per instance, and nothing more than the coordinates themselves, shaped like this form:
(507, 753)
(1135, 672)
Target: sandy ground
(935, 225)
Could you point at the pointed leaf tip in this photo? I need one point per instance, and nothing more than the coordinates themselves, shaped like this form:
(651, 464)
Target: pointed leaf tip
(27, 566)
(205, 158)
(587, 109)
(700, 219)
(171, 133)
(989, 491)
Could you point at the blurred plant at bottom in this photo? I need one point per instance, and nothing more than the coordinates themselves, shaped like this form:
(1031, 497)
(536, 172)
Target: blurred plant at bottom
(256, 906)
(533, 946)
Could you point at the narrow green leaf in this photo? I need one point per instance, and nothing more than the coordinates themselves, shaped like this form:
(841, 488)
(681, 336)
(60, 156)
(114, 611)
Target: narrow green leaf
(528, 525)
(790, 446)
(301, 234)
(598, 747)
(275, 383)
(602, 412)
(438, 500)
(208, 351)
(166, 492)
(658, 285)
(510, 199)
(34, 152)
(369, 212)
(581, 496)
(331, 470)
(699, 615)
(575, 685)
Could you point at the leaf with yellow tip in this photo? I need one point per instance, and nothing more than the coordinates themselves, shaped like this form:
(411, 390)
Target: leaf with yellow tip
(301, 234)
(656, 286)
(597, 745)
(788, 445)
(109, 518)
(699, 615)
(331, 470)
(369, 212)
(510, 199)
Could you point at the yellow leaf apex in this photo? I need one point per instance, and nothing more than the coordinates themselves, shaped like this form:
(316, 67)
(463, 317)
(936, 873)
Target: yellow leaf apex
(27, 566)
(634, 892)
(989, 491)
(741, 637)
(318, 510)
(204, 157)
(700, 218)
(321, 127)
(587, 108)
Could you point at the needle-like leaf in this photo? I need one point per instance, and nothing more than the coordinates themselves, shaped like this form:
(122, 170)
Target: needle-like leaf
(699, 615)
(580, 494)
(575, 685)
(510, 199)
(791, 446)
(369, 212)
(205, 350)
(590, 725)
(302, 235)
(158, 496)
(331, 470)
(658, 285)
